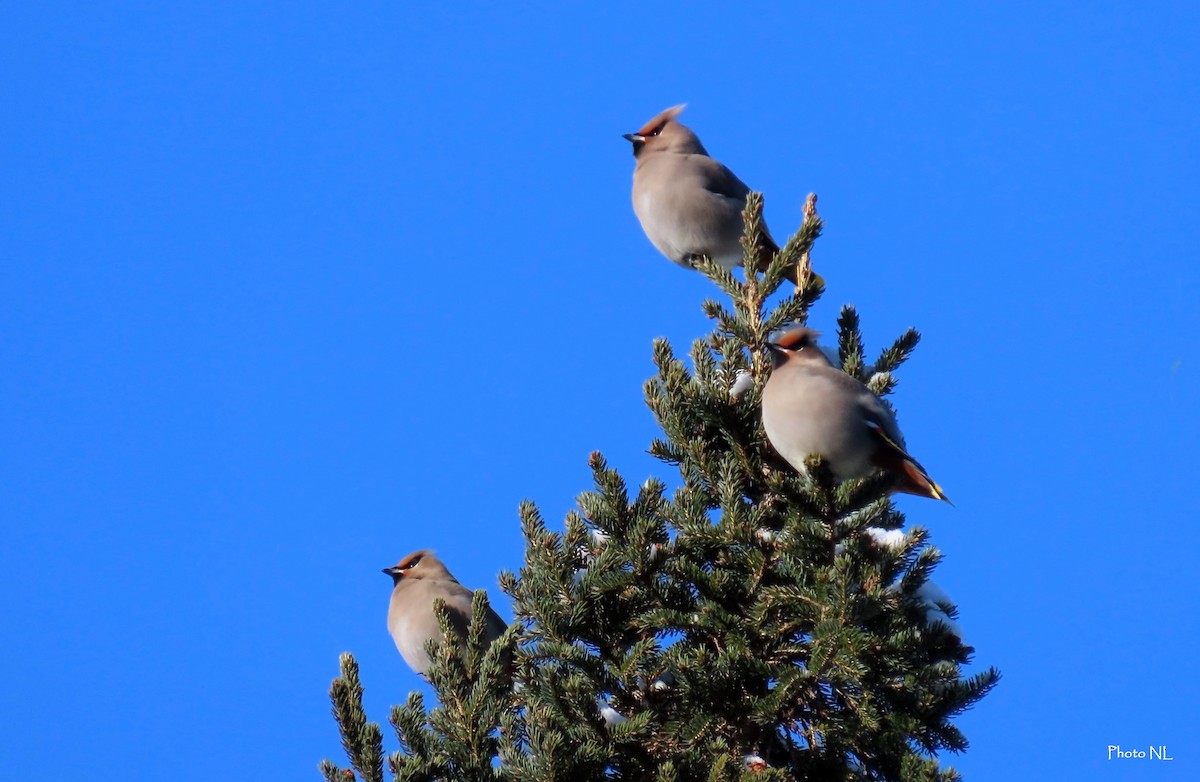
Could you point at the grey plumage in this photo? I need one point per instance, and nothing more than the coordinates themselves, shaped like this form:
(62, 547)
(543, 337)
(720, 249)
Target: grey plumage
(811, 407)
(418, 580)
(688, 203)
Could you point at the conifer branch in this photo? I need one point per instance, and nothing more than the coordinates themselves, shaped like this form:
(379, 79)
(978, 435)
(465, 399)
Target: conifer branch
(362, 739)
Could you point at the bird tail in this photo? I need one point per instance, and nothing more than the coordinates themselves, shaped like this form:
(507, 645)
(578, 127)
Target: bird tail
(912, 476)
(914, 480)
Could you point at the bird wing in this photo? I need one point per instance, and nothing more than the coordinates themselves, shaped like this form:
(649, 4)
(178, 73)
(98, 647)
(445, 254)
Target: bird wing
(461, 607)
(890, 455)
(717, 179)
(458, 604)
(874, 411)
(496, 625)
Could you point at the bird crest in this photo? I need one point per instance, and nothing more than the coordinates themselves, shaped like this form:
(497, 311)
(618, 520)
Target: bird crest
(798, 338)
(654, 126)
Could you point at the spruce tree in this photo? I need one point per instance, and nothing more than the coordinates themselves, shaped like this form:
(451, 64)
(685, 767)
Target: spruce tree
(751, 622)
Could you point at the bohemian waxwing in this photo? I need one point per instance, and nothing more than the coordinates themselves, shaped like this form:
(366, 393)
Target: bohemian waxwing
(419, 579)
(811, 407)
(688, 204)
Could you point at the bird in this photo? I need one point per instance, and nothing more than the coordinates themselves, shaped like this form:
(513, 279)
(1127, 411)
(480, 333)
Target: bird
(809, 406)
(689, 204)
(419, 579)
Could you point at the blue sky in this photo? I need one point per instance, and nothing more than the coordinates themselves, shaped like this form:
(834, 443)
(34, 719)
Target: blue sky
(290, 291)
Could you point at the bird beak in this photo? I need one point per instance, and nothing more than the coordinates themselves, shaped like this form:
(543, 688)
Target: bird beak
(391, 571)
(634, 137)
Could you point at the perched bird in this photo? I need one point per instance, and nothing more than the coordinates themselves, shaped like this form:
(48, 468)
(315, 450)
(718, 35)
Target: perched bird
(419, 579)
(810, 407)
(688, 204)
